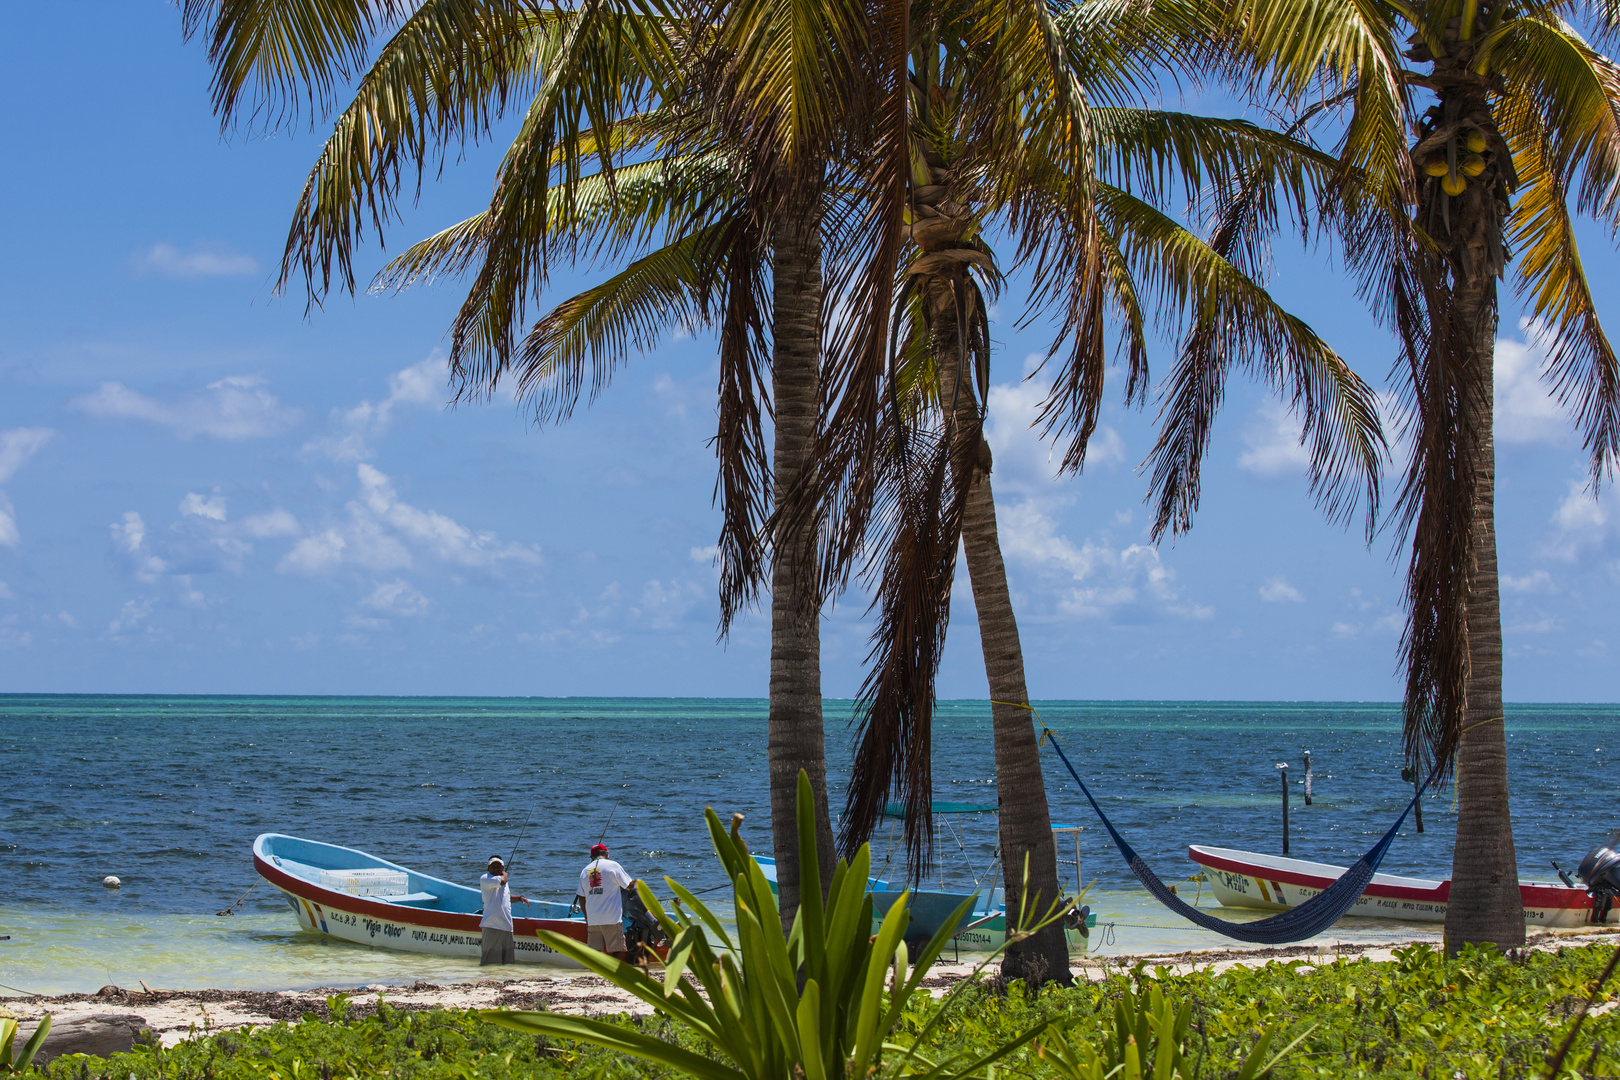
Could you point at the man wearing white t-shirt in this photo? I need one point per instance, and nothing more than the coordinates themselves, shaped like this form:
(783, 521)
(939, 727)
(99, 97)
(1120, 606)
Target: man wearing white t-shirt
(599, 885)
(497, 945)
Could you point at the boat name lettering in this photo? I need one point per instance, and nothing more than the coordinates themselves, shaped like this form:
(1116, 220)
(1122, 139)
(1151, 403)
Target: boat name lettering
(373, 927)
(1235, 882)
(343, 917)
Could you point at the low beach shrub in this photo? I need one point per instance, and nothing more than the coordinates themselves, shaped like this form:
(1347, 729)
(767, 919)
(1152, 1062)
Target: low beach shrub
(818, 1001)
(1480, 1015)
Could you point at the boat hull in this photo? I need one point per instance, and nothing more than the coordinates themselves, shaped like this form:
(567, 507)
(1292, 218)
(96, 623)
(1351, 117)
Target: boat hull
(379, 923)
(1248, 879)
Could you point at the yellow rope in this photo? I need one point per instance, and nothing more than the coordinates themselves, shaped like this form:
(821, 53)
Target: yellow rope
(1046, 732)
(1482, 723)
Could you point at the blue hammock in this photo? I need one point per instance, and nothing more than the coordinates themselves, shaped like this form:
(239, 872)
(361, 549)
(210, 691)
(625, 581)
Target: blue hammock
(1296, 924)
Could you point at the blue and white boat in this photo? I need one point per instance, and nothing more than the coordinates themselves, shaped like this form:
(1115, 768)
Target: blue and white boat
(349, 894)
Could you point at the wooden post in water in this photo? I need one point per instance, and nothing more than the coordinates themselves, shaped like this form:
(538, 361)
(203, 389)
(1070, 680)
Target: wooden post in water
(1282, 771)
(1411, 775)
(1307, 778)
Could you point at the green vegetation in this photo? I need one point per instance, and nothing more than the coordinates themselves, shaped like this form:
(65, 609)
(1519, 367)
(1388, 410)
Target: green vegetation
(24, 1055)
(821, 1001)
(1422, 1015)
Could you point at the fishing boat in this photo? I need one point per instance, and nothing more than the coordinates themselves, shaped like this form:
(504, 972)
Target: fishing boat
(348, 894)
(1247, 879)
(984, 929)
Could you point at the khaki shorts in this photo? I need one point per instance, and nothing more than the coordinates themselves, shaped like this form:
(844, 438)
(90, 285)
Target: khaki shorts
(496, 947)
(608, 938)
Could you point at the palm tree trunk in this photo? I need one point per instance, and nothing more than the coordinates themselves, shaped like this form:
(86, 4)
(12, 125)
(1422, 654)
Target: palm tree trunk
(1485, 904)
(796, 737)
(1025, 822)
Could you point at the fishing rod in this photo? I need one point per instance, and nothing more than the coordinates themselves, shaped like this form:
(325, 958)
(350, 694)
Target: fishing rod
(520, 838)
(519, 841)
(609, 824)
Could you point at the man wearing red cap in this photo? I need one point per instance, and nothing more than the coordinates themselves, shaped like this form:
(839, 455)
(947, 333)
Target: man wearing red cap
(599, 885)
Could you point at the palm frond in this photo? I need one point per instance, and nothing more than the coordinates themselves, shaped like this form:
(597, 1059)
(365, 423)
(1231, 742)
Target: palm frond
(1581, 361)
(270, 54)
(1233, 321)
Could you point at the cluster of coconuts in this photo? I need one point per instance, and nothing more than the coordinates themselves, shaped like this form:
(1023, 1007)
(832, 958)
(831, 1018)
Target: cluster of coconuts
(1470, 163)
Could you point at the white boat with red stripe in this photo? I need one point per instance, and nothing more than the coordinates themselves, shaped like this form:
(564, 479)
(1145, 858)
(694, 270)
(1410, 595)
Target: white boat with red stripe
(346, 893)
(1247, 879)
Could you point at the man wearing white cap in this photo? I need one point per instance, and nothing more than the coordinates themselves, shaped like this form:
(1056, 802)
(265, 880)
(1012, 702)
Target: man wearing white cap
(497, 944)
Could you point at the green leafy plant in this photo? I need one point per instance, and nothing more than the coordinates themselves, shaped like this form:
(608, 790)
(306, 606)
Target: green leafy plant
(819, 1001)
(24, 1058)
(1148, 1042)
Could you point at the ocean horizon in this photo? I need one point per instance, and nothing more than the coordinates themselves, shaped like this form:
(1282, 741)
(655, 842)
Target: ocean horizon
(167, 792)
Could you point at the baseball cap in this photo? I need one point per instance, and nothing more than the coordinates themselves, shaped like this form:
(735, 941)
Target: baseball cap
(599, 849)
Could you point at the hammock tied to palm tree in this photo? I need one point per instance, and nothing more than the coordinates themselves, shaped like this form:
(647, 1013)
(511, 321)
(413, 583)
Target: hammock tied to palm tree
(1297, 923)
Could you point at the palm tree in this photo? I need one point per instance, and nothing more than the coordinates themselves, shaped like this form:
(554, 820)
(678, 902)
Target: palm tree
(778, 81)
(1476, 129)
(937, 475)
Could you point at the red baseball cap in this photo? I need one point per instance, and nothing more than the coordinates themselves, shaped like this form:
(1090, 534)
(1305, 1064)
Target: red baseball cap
(598, 849)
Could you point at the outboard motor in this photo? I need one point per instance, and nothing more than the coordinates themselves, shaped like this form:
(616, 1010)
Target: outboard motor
(1600, 873)
(642, 933)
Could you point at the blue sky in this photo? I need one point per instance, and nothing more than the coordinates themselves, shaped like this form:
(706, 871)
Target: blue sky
(203, 488)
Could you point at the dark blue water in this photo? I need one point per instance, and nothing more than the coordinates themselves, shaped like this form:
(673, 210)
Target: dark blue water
(168, 793)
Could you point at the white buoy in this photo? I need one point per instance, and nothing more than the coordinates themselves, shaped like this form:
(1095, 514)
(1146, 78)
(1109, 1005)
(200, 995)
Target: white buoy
(111, 882)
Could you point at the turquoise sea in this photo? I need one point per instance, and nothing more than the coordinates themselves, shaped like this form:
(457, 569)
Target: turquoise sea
(168, 793)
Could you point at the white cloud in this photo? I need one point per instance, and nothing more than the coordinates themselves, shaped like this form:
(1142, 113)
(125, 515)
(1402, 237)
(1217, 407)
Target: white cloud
(130, 616)
(1278, 591)
(1023, 461)
(382, 530)
(396, 598)
(211, 507)
(6, 593)
(1103, 577)
(1272, 443)
(1526, 411)
(1582, 522)
(9, 535)
(1382, 626)
(237, 407)
(130, 548)
(355, 429)
(277, 522)
(202, 261)
(62, 619)
(1538, 582)
(705, 555)
(17, 446)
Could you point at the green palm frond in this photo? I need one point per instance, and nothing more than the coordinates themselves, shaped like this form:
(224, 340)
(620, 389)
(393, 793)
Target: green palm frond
(270, 54)
(1160, 154)
(616, 214)
(1233, 322)
(1290, 50)
(442, 80)
(1581, 361)
(595, 330)
(1564, 95)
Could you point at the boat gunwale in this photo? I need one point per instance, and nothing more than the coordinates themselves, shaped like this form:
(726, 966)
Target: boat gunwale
(381, 910)
(1533, 893)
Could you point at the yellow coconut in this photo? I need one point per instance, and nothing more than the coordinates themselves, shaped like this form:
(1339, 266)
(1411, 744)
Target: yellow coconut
(1453, 185)
(1475, 142)
(1473, 165)
(1436, 167)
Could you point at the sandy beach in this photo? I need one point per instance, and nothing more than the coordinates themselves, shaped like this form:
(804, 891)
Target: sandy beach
(176, 1015)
